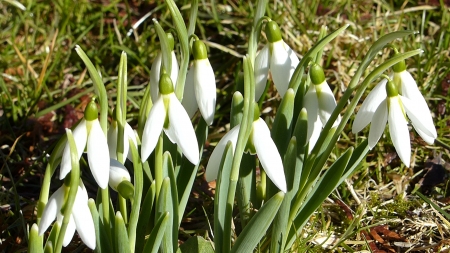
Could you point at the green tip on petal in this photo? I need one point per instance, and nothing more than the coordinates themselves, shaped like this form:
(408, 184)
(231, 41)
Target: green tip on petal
(391, 89)
(273, 32)
(199, 50)
(91, 111)
(165, 84)
(171, 41)
(316, 73)
(256, 112)
(400, 66)
(126, 189)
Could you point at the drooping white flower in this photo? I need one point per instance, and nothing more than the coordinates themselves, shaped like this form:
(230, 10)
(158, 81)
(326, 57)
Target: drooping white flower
(261, 143)
(277, 57)
(117, 173)
(393, 108)
(201, 84)
(169, 115)
(112, 140)
(88, 134)
(80, 219)
(155, 71)
(319, 103)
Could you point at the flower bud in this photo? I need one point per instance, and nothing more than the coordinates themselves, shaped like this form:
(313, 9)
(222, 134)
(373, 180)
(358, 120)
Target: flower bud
(273, 32)
(316, 73)
(117, 174)
(91, 111)
(199, 50)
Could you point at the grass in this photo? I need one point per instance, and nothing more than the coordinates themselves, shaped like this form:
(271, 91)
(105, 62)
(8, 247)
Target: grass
(44, 88)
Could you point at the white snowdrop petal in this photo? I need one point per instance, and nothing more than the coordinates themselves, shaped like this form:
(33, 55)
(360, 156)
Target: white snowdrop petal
(261, 71)
(369, 106)
(410, 89)
(83, 219)
(129, 134)
(293, 56)
(51, 209)
(205, 89)
(378, 124)
(327, 102)
(98, 154)
(152, 129)
(280, 67)
(112, 141)
(268, 154)
(117, 173)
(317, 129)
(213, 166)
(189, 101)
(420, 119)
(80, 137)
(70, 231)
(180, 127)
(398, 127)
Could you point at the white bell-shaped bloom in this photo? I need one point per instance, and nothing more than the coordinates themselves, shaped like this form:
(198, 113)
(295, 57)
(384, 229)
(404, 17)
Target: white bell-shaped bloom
(169, 115)
(277, 57)
(89, 134)
(201, 84)
(155, 71)
(112, 140)
(264, 147)
(319, 103)
(117, 173)
(394, 108)
(80, 219)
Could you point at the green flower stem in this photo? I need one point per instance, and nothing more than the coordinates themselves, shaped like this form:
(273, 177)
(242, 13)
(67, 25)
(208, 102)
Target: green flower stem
(121, 112)
(244, 132)
(165, 48)
(144, 110)
(123, 208)
(192, 17)
(138, 188)
(180, 26)
(159, 173)
(99, 88)
(105, 204)
(74, 182)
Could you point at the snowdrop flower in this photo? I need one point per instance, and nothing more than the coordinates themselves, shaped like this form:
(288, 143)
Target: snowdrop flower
(117, 174)
(155, 71)
(167, 113)
(279, 58)
(112, 140)
(385, 104)
(319, 103)
(81, 218)
(260, 142)
(89, 133)
(201, 84)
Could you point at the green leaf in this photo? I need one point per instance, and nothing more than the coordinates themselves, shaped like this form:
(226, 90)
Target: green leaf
(221, 239)
(165, 48)
(144, 217)
(102, 242)
(137, 197)
(34, 240)
(447, 215)
(258, 225)
(168, 166)
(121, 235)
(196, 244)
(165, 206)
(325, 185)
(154, 241)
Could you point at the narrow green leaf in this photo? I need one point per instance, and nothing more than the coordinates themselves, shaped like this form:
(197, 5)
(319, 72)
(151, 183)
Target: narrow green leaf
(447, 215)
(165, 48)
(168, 166)
(358, 155)
(154, 241)
(165, 206)
(246, 188)
(102, 242)
(34, 240)
(196, 244)
(258, 225)
(220, 199)
(121, 235)
(137, 197)
(144, 217)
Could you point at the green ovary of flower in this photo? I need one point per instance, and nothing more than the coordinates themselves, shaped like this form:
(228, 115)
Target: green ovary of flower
(91, 111)
(165, 84)
(273, 32)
